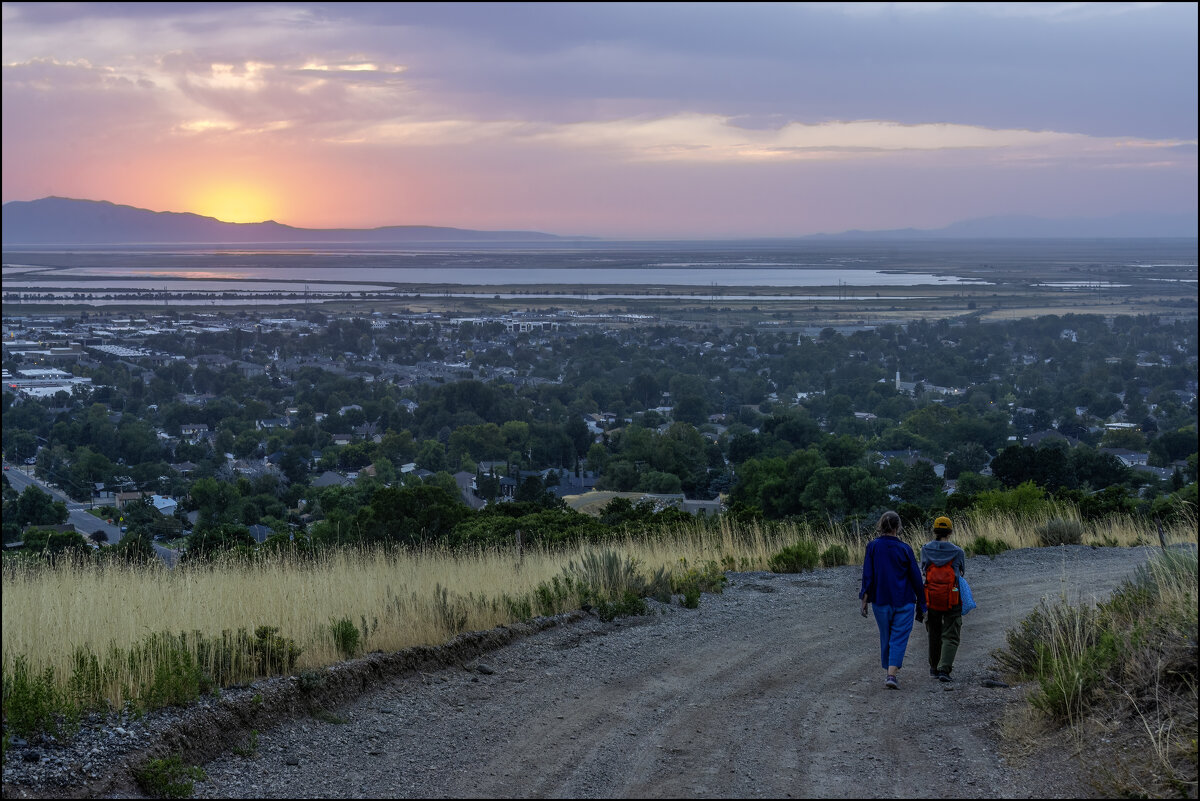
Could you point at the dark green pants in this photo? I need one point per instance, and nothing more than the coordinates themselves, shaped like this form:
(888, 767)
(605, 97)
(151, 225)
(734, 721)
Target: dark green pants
(944, 629)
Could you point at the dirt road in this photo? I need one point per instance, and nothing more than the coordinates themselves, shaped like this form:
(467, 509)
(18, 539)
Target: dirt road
(773, 689)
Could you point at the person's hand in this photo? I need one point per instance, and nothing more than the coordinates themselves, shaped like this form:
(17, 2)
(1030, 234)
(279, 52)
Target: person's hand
(864, 608)
(920, 616)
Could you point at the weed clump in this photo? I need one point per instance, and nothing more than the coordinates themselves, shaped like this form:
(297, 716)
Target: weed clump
(33, 703)
(345, 637)
(311, 681)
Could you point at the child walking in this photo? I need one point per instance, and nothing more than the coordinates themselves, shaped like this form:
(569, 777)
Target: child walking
(942, 562)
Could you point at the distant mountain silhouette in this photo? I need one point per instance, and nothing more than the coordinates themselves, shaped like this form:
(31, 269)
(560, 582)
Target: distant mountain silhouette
(1124, 226)
(64, 221)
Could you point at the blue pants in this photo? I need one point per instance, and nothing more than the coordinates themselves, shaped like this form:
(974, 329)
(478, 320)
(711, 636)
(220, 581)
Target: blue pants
(895, 624)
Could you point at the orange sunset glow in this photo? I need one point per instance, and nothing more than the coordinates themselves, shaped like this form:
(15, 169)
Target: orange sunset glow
(234, 202)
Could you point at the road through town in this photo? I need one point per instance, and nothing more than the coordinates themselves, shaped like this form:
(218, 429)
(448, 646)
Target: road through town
(77, 513)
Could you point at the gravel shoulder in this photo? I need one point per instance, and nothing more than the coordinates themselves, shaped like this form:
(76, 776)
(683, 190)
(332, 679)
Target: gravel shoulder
(771, 689)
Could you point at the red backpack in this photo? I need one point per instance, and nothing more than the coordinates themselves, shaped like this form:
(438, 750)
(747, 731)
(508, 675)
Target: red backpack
(941, 588)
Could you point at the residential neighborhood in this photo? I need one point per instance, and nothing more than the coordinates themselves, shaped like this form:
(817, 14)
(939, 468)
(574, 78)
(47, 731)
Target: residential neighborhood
(558, 408)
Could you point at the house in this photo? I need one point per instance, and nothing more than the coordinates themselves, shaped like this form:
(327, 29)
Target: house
(570, 484)
(467, 488)
(123, 499)
(331, 479)
(193, 433)
(908, 459)
(165, 506)
(249, 369)
(702, 508)
(1163, 473)
(1035, 439)
(1128, 458)
(260, 532)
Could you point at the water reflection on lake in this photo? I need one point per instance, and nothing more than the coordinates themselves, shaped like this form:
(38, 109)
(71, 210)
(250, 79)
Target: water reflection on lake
(699, 275)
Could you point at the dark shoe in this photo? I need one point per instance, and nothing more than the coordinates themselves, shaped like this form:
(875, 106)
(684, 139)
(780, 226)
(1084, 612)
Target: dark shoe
(891, 683)
(944, 675)
(934, 673)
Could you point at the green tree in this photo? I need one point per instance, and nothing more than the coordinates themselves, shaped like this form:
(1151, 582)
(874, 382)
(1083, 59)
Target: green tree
(35, 508)
(921, 486)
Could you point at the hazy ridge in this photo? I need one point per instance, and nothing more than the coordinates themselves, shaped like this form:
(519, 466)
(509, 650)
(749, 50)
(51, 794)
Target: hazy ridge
(67, 221)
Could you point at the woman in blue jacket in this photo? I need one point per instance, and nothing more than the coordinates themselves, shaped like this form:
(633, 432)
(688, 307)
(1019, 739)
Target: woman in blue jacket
(891, 583)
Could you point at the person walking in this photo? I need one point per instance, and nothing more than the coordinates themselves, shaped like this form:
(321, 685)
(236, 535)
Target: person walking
(891, 584)
(942, 562)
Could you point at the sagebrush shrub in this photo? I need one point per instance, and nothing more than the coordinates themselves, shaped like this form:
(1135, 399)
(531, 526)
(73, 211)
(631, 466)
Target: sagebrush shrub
(450, 610)
(606, 575)
(519, 608)
(627, 605)
(1060, 532)
(835, 555)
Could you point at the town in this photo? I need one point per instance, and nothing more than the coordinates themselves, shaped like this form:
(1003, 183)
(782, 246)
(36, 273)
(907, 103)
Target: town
(170, 427)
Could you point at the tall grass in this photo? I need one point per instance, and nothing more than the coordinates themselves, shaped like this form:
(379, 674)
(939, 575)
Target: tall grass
(1126, 667)
(56, 615)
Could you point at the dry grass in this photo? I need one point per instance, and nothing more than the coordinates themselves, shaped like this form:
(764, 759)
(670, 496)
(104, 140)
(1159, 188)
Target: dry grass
(399, 599)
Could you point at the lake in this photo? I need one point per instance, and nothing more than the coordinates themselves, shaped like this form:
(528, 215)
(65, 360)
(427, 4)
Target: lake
(599, 270)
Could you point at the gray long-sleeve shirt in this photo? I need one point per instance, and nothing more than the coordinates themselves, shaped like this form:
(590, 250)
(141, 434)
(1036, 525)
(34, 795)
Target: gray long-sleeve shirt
(940, 552)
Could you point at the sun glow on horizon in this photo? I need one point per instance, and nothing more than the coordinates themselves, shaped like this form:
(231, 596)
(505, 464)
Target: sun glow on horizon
(234, 202)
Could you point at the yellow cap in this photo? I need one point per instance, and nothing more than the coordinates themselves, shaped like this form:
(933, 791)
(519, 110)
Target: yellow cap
(943, 524)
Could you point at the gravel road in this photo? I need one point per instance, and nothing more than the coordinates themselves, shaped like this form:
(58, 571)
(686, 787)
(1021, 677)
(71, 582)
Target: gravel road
(772, 689)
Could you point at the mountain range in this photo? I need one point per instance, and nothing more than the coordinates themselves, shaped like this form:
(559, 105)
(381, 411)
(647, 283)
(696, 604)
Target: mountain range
(66, 221)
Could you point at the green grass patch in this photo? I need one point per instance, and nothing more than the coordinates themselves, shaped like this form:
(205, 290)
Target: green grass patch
(169, 777)
(984, 546)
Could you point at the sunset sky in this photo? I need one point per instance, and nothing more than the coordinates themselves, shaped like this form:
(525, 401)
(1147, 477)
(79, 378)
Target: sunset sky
(617, 120)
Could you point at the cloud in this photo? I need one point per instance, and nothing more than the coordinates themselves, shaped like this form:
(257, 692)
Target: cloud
(716, 139)
(52, 75)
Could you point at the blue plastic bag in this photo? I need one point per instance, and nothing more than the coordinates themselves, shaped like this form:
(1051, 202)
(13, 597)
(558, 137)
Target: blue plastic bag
(965, 596)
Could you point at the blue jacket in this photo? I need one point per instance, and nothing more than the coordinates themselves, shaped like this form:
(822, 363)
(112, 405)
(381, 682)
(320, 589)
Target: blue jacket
(891, 576)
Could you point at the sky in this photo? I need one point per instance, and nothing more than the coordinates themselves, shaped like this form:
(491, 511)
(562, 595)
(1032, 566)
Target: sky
(634, 121)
